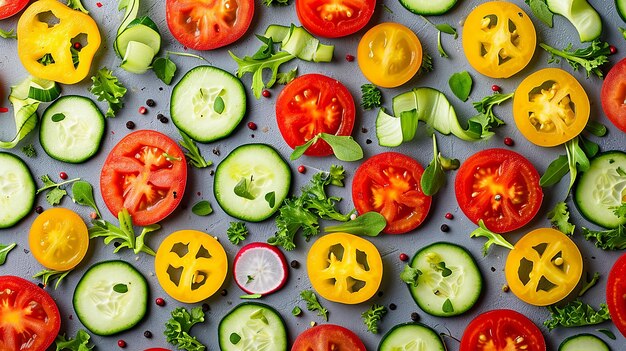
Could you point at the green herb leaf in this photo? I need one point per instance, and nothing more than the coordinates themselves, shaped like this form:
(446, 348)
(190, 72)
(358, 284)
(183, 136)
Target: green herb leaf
(442, 52)
(337, 174)
(256, 67)
(433, 177)
(120, 288)
(620, 211)
(427, 63)
(492, 238)
(124, 234)
(589, 58)
(373, 316)
(555, 172)
(271, 199)
(410, 275)
(48, 276)
(299, 150)
(202, 208)
(237, 232)
(447, 306)
(345, 148)
(576, 314)
(80, 343)
(178, 327)
(4, 251)
(275, 2)
(29, 151)
(590, 148)
(609, 334)
(559, 217)
(461, 85)
(486, 118)
(286, 78)
(82, 194)
(251, 296)
(596, 128)
(371, 96)
(234, 338)
(588, 284)
(8, 34)
(576, 160)
(77, 5)
(448, 29)
(164, 69)
(312, 304)
(58, 117)
(612, 239)
(106, 87)
(55, 190)
(242, 189)
(296, 311)
(540, 10)
(218, 105)
(368, 224)
(193, 155)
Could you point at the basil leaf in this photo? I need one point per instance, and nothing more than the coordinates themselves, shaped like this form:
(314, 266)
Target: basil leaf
(555, 172)
(540, 10)
(344, 147)
(202, 208)
(596, 128)
(164, 68)
(120, 288)
(301, 149)
(271, 199)
(242, 189)
(369, 224)
(58, 117)
(447, 306)
(218, 105)
(461, 84)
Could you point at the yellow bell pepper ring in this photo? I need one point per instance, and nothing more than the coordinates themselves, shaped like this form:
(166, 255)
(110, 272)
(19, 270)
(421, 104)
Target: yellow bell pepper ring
(46, 49)
(344, 268)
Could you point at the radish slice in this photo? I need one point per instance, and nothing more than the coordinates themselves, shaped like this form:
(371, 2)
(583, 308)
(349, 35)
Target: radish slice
(260, 268)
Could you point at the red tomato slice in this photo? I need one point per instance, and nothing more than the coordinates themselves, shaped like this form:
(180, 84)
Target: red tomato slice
(206, 25)
(614, 94)
(334, 18)
(616, 294)
(389, 183)
(502, 330)
(29, 318)
(313, 104)
(328, 337)
(11, 7)
(146, 173)
(499, 186)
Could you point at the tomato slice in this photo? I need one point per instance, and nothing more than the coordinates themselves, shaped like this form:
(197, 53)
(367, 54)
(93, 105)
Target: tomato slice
(206, 25)
(29, 318)
(499, 186)
(9, 8)
(328, 337)
(334, 18)
(313, 104)
(616, 294)
(614, 95)
(502, 330)
(145, 173)
(389, 183)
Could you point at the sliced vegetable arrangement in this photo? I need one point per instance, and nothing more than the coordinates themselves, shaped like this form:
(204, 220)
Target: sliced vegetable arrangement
(270, 180)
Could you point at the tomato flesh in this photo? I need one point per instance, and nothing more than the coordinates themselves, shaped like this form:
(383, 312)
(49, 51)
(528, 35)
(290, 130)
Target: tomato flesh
(29, 318)
(614, 95)
(145, 173)
(499, 186)
(502, 330)
(616, 294)
(328, 337)
(334, 18)
(9, 8)
(389, 183)
(206, 25)
(313, 104)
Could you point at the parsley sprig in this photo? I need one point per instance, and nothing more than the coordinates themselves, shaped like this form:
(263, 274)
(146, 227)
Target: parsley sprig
(589, 58)
(80, 343)
(48, 276)
(576, 314)
(178, 327)
(312, 304)
(106, 87)
(193, 155)
(373, 316)
(559, 217)
(237, 232)
(371, 96)
(55, 191)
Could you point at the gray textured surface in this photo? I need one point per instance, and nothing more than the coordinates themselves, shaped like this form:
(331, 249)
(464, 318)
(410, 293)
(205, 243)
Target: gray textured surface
(261, 112)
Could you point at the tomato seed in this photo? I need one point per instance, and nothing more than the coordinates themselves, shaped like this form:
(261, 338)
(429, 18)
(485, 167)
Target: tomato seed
(121, 343)
(150, 103)
(266, 93)
(508, 141)
(612, 49)
(349, 58)
(252, 126)
(404, 257)
(445, 228)
(63, 175)
(301, 169)
(496, 88)
(143, 110)
(159, 301)
(449, 215)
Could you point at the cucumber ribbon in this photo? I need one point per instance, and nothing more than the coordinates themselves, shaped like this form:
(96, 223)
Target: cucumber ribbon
(24, 112)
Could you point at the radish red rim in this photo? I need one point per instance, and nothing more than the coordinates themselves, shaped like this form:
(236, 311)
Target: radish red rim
(260, 268)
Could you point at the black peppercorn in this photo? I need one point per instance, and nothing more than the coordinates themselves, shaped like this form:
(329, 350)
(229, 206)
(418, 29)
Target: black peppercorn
(445, 228)
(205, 307)
(295, 264)
(147, 334)
(150, 103)
(415, 317)
(130, 125)
(392, 306)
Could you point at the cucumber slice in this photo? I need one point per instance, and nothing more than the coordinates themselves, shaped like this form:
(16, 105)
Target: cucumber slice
(388, 129)
(621, 8)
(581, 14)
(193, 104)
(269, 174)
(411, 337)
(428, 7)
(112, 296)
(142, 30)
(602, 188)
(446, 293)
(17, 190)
(252, 326)
(72, 129)
(583, 342)
(43, 90)
(132, 7)
(138, 57)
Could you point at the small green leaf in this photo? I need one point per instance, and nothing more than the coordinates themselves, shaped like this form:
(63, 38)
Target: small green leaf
(609, 334)
(234, 338)
(82, 194)
(120, 288)
(296, 311)
(369, 224)
(4, 251)
(596, 128)
(447, 306)
(555, 172)
(164, 68)
(219, 106)
(442, 52)
(446, 28)
(58, 117)
(345, 148)
(8, 34)
(242, 189)
(410, 275)
(301, 149)
(492, 238)
(271, 199)
(461, 85)
(202, 208)
(249, 279)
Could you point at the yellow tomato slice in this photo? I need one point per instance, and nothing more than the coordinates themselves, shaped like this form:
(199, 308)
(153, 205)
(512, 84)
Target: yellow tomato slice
(544, 267)
(58, 239)
(550, 107)
(389, 55)
(499, 39)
